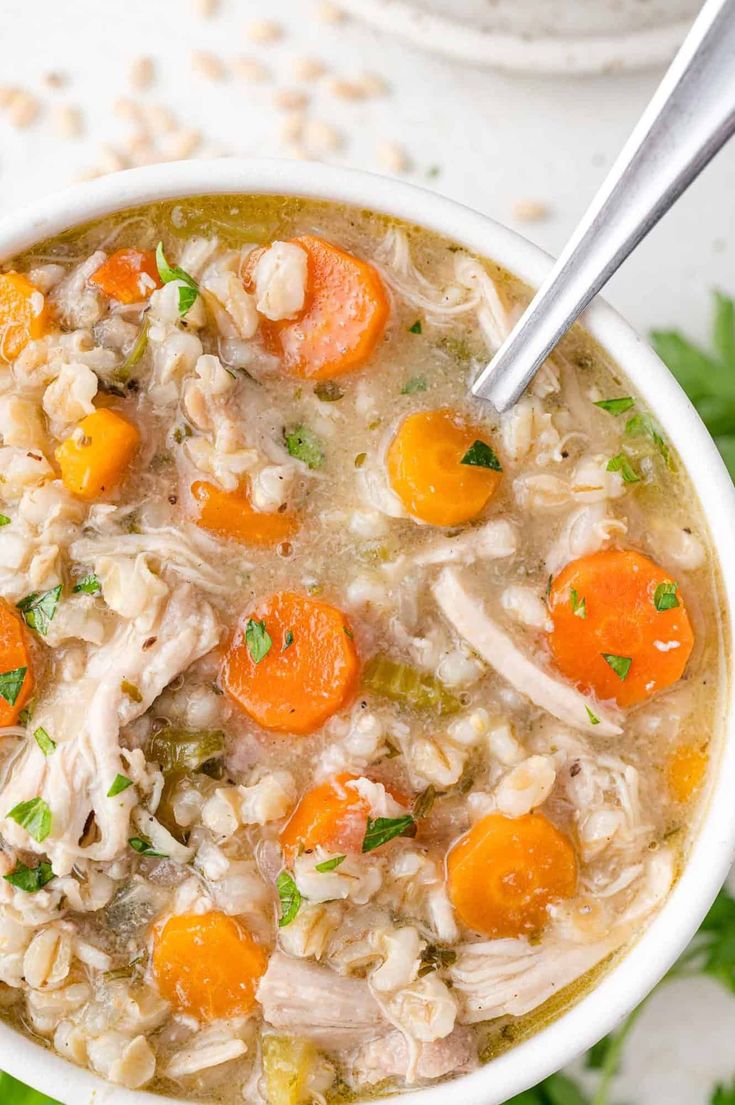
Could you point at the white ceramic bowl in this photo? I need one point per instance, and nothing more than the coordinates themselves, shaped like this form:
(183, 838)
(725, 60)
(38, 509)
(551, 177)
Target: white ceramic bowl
(713, 851)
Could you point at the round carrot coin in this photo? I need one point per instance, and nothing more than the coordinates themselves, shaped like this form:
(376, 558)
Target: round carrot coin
(343, 318)
(505, 871)
(331, 815)
(442, 468)
(230, 514)
(207, 965)
(291, 664)
(16, 671)
(620, 626)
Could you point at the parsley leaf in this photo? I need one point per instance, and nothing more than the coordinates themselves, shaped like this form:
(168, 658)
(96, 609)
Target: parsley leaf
(642, 425)
(34, 816)
(258, 640)
(4, 520)
(90, 585)
(382, 829)
(619, 664)
(287, 640)
(416, 328)
(39, 608)
(44, 742)
(414, 385)
(594, 720)
(707, 378)
(290, 898)
(616, 406)
(330, 864)
(303, 444)
(434, 957)
(11, 683)
(189, 293)
(30, 879)
(664, 597)
(480, 455)
(620, 463)
(579, 605)
(144, 847)
(120, 783)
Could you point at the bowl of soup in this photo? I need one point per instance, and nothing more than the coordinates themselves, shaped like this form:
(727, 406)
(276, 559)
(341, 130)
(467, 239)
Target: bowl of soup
(356, 740)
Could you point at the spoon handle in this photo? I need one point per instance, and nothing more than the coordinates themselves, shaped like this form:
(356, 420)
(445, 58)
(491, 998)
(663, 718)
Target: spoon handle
(691, 116)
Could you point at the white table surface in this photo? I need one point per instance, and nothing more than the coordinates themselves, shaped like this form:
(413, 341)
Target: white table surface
(496, 140)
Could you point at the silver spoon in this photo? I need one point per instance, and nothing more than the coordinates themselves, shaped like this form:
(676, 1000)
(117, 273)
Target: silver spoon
(691, 116)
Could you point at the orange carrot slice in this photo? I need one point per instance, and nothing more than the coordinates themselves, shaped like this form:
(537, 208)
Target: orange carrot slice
(426, 469)
(229, 514)
(207, 965)
(24, 315)
(620, 626)
(685, 771)
(331, 816)
(128, 275)
(343, 318)
(94, 458)
(291, 663)
(16, 670)
(505, 871)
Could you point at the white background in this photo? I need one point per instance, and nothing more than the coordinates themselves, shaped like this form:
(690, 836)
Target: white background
(495, 139)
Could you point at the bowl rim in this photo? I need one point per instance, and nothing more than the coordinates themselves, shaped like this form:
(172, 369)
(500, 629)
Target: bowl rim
(713, 849)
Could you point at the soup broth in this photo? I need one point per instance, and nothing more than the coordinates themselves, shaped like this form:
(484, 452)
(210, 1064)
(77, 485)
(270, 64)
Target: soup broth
(349, 730)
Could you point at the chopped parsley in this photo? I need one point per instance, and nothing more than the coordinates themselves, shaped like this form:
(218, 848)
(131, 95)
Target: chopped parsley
(642, 425)
(120, 783)
(416, 328)
(290, 898)
(480, 455)
(11, 683)
(664, 597)
(144, 847)
(579, 605)
(287, 640)
(382, 829)
(303, 444)
(258, 640)
(330, 864)
(594, 720)
(619, 664)
(434, 958)
(90, 585)
(620, 463)
(424, 802)
(189, 293)
(39, 608)
(414, 385)
(616, 406)
(4, 520)
(30, 879)
(34, 816)
(44, 742)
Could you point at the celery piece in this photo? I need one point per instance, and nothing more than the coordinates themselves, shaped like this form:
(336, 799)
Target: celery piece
(287, 1064)
(182, 750)
(139, 347)
(405, 684)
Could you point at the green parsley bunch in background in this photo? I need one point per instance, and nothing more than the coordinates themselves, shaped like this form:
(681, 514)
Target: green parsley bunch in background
(709, 380)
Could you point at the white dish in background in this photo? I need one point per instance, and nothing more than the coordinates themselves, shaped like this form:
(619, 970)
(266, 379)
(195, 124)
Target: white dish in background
(541, 36)
(711, 855)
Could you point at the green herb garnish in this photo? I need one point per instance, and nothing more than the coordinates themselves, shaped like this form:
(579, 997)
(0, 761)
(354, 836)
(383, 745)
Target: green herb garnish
(144, 847)
(619, 664)
(119, 784)
(258, 640)
(287, 640)
(434, 958)
(303, 444)
(34, 816)
(4, 520)
(616, 406)
(480, 455)
(30, 879)
(39, 608)
(290, 898)
(620, 463)
(44, 742)
(423, 803)
(664, 597)
(416, 328)
(11, 683)
(329, 864)
(90, 585)
(579, 605)
(642, 425)
(414, 385)
(382, 829)
(168, 273)
(594, 720)
(137, 350)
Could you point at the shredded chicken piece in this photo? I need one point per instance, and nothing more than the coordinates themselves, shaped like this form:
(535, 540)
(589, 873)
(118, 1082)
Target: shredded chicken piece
(310, 1000)
(388, 1057)
(493, 541)
(121, 680)
(465, 612)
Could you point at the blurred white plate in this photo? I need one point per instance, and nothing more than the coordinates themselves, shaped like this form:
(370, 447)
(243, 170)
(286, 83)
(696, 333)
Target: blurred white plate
(542, 36)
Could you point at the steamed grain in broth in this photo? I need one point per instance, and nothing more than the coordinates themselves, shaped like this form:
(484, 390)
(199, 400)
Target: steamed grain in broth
(349, 730)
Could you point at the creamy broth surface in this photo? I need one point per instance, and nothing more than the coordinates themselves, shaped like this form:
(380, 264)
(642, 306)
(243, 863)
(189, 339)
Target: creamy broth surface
(348, 730)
